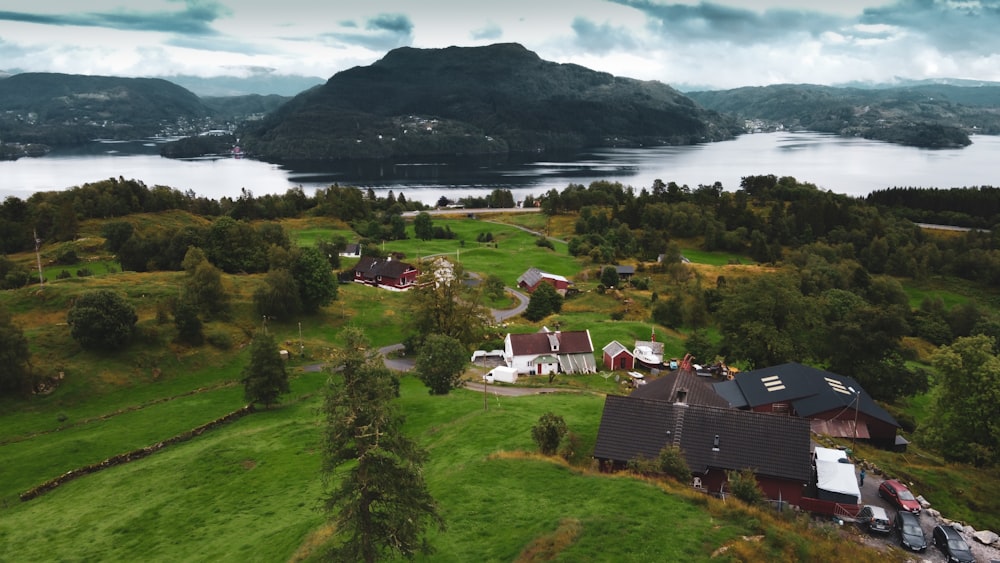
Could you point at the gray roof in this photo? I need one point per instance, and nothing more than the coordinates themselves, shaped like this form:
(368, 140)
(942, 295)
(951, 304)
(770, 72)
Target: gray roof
(614, 348)
(771, 445)
(809, 390)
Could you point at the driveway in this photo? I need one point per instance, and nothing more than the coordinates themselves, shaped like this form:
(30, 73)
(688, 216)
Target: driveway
(869, 495)
(501, 315)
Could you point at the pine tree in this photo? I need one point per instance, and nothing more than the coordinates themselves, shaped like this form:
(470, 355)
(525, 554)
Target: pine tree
(264, 378)
(379, 503)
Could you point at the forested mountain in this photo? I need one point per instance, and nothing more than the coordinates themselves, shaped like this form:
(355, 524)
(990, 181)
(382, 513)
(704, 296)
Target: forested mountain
(931, 115)
(477, 100)
(59, 109)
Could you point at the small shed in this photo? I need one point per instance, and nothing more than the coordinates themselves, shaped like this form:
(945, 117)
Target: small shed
(617, 356)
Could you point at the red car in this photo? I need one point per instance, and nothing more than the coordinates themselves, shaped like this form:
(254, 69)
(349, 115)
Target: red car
(900, 497)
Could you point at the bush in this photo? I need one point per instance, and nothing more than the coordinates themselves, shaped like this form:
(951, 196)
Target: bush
(544, 243)
(102, 319)
(744, 486)
(63, 275)
(548, 432)
(84, 272)
(219, 339)
(671, 463)
(569, 446)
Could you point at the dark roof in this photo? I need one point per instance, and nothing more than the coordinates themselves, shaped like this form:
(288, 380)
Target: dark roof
(570, 342)
(625, 270)
(371, 267)
(698, 391)
(730, 391)
(809, 390)
(772, 445)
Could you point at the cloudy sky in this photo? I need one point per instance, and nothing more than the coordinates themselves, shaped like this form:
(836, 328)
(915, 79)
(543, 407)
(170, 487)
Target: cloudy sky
(719, 44)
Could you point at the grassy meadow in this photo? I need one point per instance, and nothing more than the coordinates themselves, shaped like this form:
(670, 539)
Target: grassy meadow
(250, 490)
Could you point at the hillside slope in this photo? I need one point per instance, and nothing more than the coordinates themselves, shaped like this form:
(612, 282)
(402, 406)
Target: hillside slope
(933, 116)
(59, 109)
(477, 100)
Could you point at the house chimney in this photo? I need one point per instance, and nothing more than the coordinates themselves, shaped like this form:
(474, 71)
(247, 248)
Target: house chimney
(715, 443)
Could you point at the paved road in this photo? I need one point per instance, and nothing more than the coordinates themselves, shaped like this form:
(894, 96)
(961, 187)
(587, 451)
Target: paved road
(503, 314)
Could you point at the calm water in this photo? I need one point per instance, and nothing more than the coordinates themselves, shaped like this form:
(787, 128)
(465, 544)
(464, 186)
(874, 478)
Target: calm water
(842, 165)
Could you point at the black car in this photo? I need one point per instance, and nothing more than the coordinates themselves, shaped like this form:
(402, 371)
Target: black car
(950, 542)
(911, 535)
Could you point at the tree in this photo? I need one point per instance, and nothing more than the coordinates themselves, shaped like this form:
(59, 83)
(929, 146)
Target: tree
(671, 463)
(279, 297)
(265, 377)
(442, 304)
(203, 285)
(423, 226)
(440, 363)
(609, 277)
(314, 278)
(493, 287)
(189, 326)
(15, 377)
(102, 319)
(548, 432)
(544, 302)
(964, 422)
(380, 506)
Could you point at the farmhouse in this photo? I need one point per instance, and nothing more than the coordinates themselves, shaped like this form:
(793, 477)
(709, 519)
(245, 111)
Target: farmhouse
(682, 386)
(351, 250)
(713, 440)
(546, 352)
(625, 273)
(831, 402)
(530, 279)
(385, 273)
(616, 356)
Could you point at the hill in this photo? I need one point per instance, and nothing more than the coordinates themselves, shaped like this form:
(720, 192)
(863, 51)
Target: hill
(61, 109)
(477, 100)
(925, 115)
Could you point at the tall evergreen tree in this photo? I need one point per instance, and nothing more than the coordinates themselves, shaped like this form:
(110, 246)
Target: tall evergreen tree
(379, 503)
(265, 377)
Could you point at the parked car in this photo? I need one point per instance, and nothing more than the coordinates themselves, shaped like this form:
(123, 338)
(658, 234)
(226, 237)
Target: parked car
(950, 542)
(874, 518)
(901, 497)
(911, 535)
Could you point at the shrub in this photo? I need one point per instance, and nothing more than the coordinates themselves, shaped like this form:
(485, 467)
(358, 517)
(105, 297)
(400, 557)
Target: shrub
(84, 272)
(548, 432)
(102, 319)
(744, 486)
(544, 243)
(569, 446)
(671, 463)
(63, 274)
(219, 339)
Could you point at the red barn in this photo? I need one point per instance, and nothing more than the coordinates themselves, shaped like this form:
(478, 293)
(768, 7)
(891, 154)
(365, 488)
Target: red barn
(530, 279)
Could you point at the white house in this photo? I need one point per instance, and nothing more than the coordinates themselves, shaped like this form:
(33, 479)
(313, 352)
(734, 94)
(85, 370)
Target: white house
(546, 352)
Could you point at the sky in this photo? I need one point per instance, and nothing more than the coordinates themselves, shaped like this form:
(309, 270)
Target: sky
(687, 44)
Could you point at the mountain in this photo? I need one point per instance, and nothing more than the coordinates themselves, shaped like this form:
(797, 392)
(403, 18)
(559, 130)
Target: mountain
(476, 100)
(924, 115)
(60, 109)
(260, 83)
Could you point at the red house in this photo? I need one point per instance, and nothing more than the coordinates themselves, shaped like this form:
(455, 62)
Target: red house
(385, 273)
(617, 356)
(530, 280)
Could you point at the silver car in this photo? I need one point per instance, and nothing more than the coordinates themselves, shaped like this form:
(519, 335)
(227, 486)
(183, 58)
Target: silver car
(875, 519)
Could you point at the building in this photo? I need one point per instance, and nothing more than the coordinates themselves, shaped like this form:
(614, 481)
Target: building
(530, 280)
(546, 352)
(385, 273)
(616, 356)
(835, 404)
(713, 440)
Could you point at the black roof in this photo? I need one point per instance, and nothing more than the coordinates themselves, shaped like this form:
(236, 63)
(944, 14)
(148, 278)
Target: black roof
(771, 445)
(809, 390)
(696, 390)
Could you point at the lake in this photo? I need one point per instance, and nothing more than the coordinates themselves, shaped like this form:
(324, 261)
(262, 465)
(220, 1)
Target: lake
(842, 165)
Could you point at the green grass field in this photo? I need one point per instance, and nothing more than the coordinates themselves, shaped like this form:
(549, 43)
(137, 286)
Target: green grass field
(250, 490)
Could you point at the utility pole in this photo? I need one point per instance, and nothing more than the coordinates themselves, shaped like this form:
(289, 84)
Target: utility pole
(38, 257)
(302, 347)
(857, 405)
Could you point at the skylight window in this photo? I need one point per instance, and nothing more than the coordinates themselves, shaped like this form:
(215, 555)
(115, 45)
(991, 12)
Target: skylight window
(837, 386)
(772, 383)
